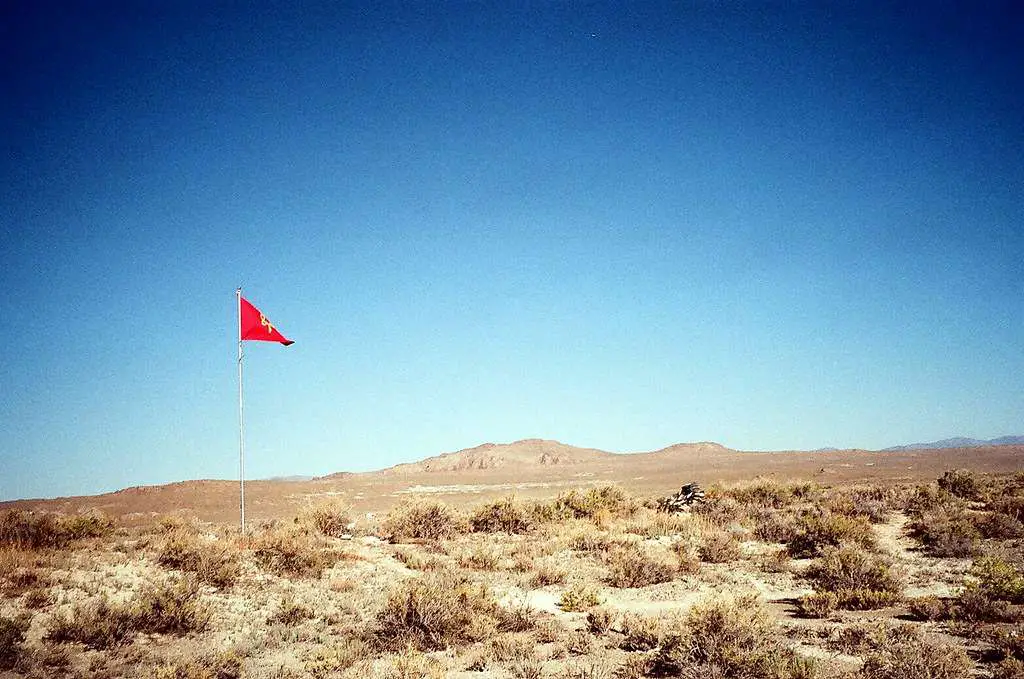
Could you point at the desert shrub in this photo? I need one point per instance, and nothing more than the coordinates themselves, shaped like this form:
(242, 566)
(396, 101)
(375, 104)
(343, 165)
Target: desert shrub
(928, 498)
(818, 605)
(653, 524)
(327, 661)
(226, 665)
(946, 533)
(436, 611)
(410, 664)
(999, 526)
(37, 598)
(330, 517)
(728, 638)
(689, 560)
(594, 504)
(719, 547)
(718, 508)
(599, 620)
(642, 632)
(763, 493)
(998, 579)
(962, 483)
(1008, 668)
(778, 561)
(928, 608)
(911, 655)
(816, 531)
(871, 502)
(631, 566)
(292, 553)
(481, 557)
(973, 605)
(213, 563)
(591, 540)
(578, 598)
(422, 520)
(548, 573)
(501, 516)
(1009, 505)
(28, 530)
(290, 612)
(12, 634)
(773, 526)
(860, 580)
(169, 608)
(579, 642)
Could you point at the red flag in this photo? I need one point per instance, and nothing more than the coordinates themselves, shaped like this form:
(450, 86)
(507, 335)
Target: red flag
(255, 326)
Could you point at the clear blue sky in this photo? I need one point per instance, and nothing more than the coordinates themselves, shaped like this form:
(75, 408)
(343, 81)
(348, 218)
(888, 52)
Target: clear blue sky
(788, 225)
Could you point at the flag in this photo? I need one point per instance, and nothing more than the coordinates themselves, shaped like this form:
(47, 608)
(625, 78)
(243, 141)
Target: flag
(255, 326)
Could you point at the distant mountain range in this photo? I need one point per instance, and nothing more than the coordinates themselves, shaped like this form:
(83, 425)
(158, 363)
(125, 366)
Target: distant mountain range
(961, 442)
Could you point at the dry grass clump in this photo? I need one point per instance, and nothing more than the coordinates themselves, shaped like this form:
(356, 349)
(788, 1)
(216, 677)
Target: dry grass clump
(481, 557)
(859, 580)
(501, 516)
(215, 563)
(439, 610)
(632, 566)
(947, 532)
(331, 517)
(12, 634)
(578, 598)
(719, 547)
(169, 608)
(818, 530)
(421, 520)
(292, 553)
(28, 530)
(728, 638)
(908, 654)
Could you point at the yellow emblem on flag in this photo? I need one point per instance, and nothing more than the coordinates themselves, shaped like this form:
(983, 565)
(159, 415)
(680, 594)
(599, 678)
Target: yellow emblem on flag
(265, 323)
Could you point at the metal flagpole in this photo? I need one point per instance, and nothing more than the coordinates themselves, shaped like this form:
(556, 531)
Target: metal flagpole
(241, 421)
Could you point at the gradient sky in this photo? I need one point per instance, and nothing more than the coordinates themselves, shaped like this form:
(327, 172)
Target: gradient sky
(775, 226)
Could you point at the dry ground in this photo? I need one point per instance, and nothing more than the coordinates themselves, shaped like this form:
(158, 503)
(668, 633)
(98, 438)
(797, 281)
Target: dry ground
(765, 579)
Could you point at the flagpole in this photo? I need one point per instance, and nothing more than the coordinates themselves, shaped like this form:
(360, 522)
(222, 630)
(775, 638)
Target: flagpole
(241, 421)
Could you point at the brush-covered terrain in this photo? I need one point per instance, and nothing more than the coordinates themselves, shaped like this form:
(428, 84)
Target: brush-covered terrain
(763, 580)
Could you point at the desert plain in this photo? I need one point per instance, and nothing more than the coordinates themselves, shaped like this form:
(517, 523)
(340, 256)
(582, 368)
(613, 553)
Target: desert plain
(534, 559)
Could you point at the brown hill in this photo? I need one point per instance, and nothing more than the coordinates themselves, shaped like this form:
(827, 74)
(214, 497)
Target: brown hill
(530, 468)
(527, 452)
